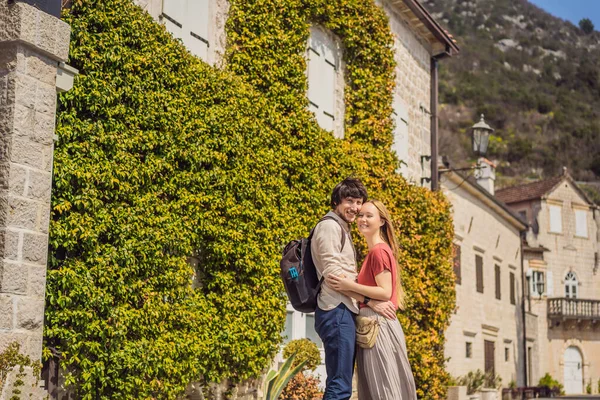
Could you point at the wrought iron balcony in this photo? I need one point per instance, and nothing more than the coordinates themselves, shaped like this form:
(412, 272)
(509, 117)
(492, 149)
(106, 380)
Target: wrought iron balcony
(578, 309)
(52, 7)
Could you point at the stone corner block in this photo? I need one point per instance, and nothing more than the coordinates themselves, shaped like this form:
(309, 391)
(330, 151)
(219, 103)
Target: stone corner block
(30, 314)
(13, 278)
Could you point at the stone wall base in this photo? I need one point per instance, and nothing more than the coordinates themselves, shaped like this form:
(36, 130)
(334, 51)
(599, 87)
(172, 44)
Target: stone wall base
(32, 387)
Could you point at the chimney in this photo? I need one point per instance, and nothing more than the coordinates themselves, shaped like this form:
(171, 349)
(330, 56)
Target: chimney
(486, 174)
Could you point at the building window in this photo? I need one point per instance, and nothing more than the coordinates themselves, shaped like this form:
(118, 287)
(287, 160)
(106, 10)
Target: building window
(311, 333)
(323, 65)
(479, 273)
(400, 145)
(456, 262)
(571, 285)
(469, 350)
(497, 275)
(289, 326)
(537, 277)
(513, 299)
(188, 20)
(555, 219)
(581, 223)
(506, 354)
(523, 215)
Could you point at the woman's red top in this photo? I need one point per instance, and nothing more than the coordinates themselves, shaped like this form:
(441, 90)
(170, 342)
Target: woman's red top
(379, 259)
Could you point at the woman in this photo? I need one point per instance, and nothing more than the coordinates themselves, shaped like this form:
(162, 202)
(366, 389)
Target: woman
(383, 370)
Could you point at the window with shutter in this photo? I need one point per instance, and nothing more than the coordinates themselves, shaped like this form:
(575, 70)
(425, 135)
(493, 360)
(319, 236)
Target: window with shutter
(322, 71)
(456, 262)
(489, 359)
(400, 144)
(537, 283)
(188, 20)
(513, 299)
(555, 219)
(479, 273)
(581, 223)
(497, 275)
(571, 285)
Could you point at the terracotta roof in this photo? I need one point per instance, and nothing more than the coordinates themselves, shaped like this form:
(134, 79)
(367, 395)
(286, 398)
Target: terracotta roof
(529, 191)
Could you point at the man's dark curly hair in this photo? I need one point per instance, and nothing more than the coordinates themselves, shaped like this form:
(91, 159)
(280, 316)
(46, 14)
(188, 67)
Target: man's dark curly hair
(349, 187)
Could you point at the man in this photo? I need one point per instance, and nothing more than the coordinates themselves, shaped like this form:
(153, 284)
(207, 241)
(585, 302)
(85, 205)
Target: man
(335, 314)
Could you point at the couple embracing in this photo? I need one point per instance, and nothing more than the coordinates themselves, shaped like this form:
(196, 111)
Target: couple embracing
(376, 292)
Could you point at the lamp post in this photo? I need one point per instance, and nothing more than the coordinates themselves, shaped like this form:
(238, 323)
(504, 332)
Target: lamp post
(480, 137)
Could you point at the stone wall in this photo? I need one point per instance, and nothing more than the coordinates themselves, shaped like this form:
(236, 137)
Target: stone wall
(413, 86)
(32, 43)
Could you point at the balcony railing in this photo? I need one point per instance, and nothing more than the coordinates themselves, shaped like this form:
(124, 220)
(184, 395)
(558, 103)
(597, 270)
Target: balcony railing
(566, 308)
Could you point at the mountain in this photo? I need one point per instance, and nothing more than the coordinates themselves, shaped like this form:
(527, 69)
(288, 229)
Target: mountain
(534, 76)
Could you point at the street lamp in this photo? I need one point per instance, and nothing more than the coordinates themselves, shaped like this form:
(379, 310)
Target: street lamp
(480, 137)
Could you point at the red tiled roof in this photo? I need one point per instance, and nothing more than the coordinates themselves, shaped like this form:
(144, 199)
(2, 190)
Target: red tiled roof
(529, 191)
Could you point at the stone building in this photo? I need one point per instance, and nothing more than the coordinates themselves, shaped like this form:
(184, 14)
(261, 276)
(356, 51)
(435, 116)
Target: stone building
(562, 268)
(34, 45)
(486, 329)
(419, 42)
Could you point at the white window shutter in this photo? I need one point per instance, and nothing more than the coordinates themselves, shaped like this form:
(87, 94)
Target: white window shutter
(322, 64)
(555, 219)
(313, 79)
(400, 144)
(328, 96)
(549, 284)
(581, 223)
(173, 16)
(196, 28)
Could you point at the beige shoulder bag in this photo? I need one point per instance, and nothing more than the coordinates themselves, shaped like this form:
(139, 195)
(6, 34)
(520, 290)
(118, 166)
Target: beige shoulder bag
(366, 331)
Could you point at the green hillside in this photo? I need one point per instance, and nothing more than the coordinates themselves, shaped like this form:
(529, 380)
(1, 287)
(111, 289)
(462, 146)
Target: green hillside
(535, 77)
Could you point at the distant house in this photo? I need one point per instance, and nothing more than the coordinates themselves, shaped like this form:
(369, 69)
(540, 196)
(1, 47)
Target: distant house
(563, 270)
(486, 330)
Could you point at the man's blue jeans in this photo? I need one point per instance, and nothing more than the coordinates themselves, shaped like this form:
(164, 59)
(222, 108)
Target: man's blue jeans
(337, 330)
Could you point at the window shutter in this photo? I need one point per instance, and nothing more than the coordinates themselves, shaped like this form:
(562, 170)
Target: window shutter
(513, 300)
(555, 219)
(581, 223)
(173, 15)
(479, 273)
(456, 262)
(196, 28)
(322, 69)
(327, 114)
(400, 144)
(497, 274)
(549, 284)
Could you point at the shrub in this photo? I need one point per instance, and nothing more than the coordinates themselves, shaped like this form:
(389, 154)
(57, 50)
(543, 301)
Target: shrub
(586, 25)
(305, 350)
(551, 383)
(474, 381)
(302, 387)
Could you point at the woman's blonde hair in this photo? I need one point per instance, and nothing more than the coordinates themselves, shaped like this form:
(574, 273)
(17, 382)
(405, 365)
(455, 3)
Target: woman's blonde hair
(388, 235)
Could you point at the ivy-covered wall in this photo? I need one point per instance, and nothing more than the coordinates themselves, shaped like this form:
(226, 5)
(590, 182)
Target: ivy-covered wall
(161, 157)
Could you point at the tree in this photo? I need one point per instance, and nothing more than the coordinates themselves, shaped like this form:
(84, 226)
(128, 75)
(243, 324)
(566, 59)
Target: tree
(586, 25)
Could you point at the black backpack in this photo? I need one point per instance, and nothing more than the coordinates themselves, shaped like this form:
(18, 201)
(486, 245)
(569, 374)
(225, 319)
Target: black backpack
(299, 273)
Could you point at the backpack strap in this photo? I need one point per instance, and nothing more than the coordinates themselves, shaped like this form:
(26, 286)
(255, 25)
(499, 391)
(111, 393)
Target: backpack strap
(324, 219)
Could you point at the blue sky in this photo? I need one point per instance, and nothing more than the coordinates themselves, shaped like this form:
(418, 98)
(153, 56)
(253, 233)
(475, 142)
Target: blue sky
(572, 10)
